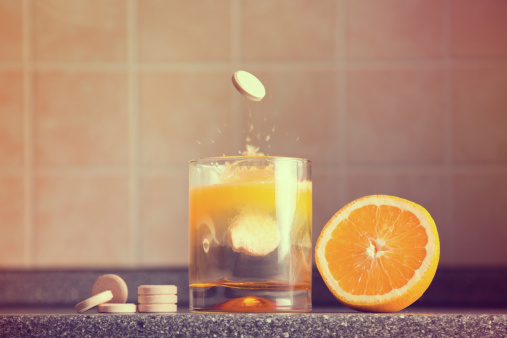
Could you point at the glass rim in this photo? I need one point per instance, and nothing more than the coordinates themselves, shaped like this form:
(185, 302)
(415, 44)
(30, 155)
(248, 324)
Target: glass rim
(210, 159)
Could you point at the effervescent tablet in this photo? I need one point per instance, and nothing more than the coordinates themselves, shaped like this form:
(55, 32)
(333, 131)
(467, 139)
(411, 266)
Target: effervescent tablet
(157, 299)
(93, 301)
(157, 307)
(114, 283)
(157, 289)
(117, 308)
(248, 85)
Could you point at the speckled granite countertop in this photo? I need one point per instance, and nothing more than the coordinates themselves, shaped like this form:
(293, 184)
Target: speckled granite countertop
(320, 323)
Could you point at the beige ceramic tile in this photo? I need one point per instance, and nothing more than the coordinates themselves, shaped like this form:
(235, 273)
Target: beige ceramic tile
(81, 118)
(430, 190)
(299, 116)
(11, 30)
(329, 195)
(185, 115)
(480, 200)
(13, 238)
(479, 115)
(82, 221)
(289, 30)
(478, 28)
(80, 30)
(395, 116)
(11, 118)
(164, 220)
(395, 29)
(184, 31)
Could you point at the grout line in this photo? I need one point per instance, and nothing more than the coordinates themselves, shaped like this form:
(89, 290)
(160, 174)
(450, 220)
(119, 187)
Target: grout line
(330, 167)
(14, 170)
(29, 226)
(85, 171)
(236, 103)
(260, 65)
(372, 169)
(80, 66)
(10, 66)
(448, 124)
(342, 97)
(165, 171)
(235, 32)
(134, 133)
(447, 83)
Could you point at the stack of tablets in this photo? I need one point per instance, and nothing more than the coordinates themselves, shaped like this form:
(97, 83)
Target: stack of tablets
(157, 298)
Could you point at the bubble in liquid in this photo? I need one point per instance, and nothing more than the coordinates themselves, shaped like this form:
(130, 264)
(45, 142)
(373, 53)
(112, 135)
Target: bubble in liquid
(205, 245)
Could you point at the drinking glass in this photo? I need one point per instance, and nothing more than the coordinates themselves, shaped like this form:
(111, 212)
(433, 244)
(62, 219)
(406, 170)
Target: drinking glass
(250, 226)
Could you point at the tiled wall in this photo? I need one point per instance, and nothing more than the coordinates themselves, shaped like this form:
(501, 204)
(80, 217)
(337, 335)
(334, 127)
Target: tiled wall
(103, 103)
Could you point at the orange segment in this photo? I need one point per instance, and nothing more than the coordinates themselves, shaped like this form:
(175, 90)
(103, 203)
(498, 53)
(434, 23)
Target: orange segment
(378, 253)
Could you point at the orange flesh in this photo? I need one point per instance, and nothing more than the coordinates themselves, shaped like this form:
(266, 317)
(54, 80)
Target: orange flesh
(376, 249)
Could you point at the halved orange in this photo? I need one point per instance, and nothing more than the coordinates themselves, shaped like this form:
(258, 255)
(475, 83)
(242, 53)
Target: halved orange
(378, 253)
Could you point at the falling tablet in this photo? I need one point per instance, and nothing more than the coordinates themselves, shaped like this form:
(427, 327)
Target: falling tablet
(248, 85)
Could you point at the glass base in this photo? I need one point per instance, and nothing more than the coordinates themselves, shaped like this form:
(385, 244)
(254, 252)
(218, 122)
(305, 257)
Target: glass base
(227, 299)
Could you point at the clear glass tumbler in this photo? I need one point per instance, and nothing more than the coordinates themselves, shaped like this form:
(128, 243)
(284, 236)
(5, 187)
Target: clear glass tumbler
(250, 234)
